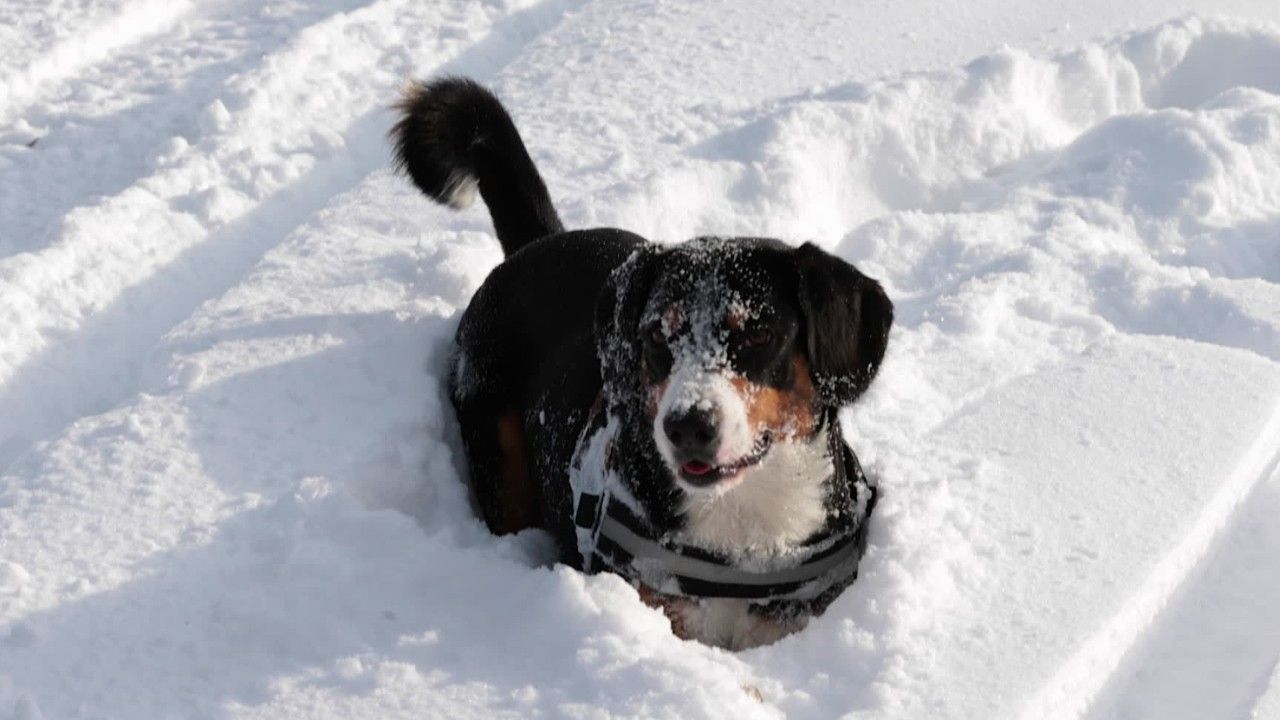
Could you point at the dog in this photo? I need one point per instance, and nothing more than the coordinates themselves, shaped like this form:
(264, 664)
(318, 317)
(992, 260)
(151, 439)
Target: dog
(664, 412)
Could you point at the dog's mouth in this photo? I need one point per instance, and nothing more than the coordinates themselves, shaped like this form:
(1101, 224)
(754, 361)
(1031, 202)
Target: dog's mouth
(701, 474)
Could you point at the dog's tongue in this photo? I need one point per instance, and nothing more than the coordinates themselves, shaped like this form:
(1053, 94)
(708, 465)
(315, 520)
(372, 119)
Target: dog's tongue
(693, 467)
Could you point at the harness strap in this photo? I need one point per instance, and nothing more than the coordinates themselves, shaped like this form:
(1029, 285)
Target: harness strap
(624, 546)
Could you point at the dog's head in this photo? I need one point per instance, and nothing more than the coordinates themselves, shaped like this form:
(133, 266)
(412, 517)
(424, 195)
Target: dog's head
(725, 348)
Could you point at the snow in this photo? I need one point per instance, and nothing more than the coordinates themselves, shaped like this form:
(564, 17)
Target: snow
(229, 476)
(1269, 705)
(1218, 640)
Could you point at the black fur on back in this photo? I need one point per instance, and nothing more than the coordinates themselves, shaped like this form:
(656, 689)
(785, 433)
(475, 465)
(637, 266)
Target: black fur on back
(453, 138)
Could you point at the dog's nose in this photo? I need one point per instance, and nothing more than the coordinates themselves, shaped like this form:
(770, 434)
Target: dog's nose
(692, 432)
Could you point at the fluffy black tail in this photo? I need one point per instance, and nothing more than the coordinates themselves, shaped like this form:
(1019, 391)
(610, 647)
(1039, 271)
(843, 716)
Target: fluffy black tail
(454, 137)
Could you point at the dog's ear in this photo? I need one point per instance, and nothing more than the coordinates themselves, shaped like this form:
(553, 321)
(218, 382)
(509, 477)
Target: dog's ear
(847, 318)
(617, 321)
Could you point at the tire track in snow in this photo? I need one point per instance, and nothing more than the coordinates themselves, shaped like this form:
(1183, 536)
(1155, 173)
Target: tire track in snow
(79, 318)
(1211, 651)
(106, 129)
(1079, 681)
(99, 39)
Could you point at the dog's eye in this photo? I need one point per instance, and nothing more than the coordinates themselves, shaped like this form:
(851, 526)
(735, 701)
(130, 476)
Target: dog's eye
(757, 338)
(657, 356)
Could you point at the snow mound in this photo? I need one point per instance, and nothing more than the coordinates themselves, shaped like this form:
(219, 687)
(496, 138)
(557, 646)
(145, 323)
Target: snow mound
(232, 483)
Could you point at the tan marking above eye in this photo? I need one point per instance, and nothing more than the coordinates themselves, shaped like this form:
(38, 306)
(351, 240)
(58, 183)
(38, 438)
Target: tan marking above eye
(672, 318)
(784, 412)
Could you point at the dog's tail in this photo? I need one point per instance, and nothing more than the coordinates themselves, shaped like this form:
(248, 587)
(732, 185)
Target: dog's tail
(453, 138)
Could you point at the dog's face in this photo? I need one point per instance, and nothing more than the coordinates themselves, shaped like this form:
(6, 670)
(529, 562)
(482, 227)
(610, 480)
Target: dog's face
(728, 349)
(723, 371)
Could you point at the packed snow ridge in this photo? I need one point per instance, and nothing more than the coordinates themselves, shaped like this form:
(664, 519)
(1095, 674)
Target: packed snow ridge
(231, 485)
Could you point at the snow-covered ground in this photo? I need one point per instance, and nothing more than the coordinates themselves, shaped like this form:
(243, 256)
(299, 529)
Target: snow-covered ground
(229, 480)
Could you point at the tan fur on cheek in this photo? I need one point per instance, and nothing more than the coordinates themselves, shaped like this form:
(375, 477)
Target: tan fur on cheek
(655, 395)
(784, 413)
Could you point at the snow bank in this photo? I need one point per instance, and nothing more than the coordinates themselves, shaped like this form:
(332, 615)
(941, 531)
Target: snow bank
(247, 502)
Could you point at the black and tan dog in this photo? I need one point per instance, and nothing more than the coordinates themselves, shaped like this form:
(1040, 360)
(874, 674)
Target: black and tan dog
(664, 412)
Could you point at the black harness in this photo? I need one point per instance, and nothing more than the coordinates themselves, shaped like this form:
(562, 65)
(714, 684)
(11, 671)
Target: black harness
(613, 536)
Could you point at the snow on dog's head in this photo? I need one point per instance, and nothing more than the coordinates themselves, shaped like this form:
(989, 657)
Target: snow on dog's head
(726, 349)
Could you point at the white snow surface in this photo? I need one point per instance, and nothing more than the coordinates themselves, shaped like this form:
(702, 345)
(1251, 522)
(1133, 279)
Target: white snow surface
(1269, 705)
(230, 481)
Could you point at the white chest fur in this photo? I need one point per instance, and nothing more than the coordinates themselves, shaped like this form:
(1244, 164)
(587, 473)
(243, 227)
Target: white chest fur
(776, 506)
